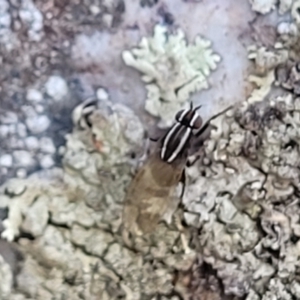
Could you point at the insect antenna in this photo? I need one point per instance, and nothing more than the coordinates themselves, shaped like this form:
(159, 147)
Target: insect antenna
(197, 107)
(207, 123)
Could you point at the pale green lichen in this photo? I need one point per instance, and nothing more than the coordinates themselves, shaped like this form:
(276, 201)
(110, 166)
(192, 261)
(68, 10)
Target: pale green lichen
(263, 86)
(267, 59)
(263, 6)
(285, 6)
(74, 214)
(172, 68)
(6, 279)
(266, 6)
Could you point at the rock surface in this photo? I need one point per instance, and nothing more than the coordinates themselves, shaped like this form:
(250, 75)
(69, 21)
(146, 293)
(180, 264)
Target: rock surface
(69, 168)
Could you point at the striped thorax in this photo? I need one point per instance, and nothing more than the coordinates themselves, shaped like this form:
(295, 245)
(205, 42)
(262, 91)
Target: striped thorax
(177, 139)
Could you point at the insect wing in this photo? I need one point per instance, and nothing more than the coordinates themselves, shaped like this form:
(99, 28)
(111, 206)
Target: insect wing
(149, 196)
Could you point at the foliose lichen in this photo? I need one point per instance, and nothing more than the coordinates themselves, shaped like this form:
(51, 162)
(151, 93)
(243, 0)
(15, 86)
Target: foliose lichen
(73, 218)
(241, 205)
(263, 6)
(246, 201)
(172, 70)
(6, 279)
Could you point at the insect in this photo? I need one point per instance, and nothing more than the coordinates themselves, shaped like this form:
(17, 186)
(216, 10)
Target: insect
(151, 194)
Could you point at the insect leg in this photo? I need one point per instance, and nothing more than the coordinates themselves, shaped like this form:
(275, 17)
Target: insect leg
(183, 181)
(190, 163)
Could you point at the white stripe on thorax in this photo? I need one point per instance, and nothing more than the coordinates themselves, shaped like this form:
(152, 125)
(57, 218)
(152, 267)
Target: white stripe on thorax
(170, 133)
(183, 140)
(181, 145)
(183, 114)
(194, 119)
(168, 137)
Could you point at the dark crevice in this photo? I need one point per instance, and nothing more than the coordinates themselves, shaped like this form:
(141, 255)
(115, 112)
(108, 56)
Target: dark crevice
(25, 235)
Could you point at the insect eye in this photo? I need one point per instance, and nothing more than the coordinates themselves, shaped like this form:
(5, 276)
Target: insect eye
(198, 123)
(179, 116)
